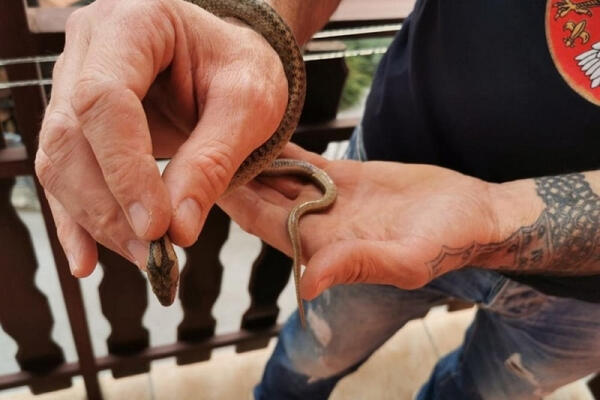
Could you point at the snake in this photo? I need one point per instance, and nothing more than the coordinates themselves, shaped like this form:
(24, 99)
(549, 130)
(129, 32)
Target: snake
(162, 266)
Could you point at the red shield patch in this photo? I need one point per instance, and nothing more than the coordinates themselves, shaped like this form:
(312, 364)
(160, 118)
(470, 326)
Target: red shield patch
(573, 35)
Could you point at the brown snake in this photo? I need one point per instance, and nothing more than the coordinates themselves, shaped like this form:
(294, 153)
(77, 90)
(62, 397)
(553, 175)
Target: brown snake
(163, 269)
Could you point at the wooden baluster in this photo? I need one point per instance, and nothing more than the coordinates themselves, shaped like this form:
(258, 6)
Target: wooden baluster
(457, 305)
(594, 386)
(24, 310)
(201, 283)
(325, 81)
(124, 298)
(270, 275)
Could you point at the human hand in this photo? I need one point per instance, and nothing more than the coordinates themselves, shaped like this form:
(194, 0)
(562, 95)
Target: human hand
(140, 79)
(389, 221)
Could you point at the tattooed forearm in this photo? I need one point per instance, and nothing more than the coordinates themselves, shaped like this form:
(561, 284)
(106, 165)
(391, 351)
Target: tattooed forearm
(564, 240)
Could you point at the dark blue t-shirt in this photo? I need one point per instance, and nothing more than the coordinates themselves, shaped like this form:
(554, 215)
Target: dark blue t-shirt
(470, 85)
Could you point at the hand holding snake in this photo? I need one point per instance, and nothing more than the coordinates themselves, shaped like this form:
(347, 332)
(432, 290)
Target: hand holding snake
(140, 80)
(162, 263)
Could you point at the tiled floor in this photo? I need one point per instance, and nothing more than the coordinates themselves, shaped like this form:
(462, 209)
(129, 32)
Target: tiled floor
(395, 371)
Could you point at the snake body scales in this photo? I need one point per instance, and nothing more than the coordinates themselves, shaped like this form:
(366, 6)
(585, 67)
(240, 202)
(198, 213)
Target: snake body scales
(162, 268)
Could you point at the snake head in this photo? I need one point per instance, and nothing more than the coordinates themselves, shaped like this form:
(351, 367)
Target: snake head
(163, 270)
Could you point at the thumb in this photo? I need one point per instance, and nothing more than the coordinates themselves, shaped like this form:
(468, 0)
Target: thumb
(362, 261)
(203, 166)
(196, 177)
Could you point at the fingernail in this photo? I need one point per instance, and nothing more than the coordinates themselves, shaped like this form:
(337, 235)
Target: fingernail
(139, 218)
(73, 267)
(139, 252)
(189, 214)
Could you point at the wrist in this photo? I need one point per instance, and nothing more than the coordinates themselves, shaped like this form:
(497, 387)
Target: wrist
(514, 205)
(289, 13)
(304, 17)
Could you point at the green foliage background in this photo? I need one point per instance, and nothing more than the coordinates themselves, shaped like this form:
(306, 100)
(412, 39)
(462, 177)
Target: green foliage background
(360, 70)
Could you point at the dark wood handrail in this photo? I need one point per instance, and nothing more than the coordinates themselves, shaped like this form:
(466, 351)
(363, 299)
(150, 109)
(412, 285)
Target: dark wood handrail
(68, 370)
(53, 19)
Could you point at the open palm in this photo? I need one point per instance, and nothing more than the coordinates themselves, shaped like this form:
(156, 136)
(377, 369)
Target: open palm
(389, 220)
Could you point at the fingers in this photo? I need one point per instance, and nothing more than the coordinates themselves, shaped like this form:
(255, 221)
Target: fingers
(262, 207)
(196, 177)
(118, 134)
(230, 128)
(288, 186)
(362, 261)
(95, 153)
(249, 207)
(78, 245)
(292, 186)
(118, 69)
(91, 205)
(67, 168)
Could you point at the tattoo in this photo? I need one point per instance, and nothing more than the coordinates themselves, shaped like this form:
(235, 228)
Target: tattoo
(564, 240)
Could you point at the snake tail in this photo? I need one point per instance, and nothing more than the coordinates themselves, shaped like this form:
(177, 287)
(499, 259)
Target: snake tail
(323, 181)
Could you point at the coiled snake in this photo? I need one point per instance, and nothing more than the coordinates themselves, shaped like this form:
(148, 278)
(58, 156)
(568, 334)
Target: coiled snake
(163, 269)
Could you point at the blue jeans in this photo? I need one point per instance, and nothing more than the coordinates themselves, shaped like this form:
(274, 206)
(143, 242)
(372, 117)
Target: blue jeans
(522, 344)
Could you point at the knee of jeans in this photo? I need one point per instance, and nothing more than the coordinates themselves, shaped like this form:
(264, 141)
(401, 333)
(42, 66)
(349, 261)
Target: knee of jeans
(314, 353)
(321, 366)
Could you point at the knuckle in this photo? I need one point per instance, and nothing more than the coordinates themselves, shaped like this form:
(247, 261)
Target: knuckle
(97, 97)
(107, 221)
(145, 7)
(121, 172)
(57, 129)
(215, 166)
(266, 95)
(104, 222)
(253, 87)
(89, 93)
(125, 172)
(45, 172)
(157, 8)
(57, 136)
(149, 14)
(361, 271)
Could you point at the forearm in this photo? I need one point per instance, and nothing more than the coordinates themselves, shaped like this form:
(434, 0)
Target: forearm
(305, 17)
(548, 225)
